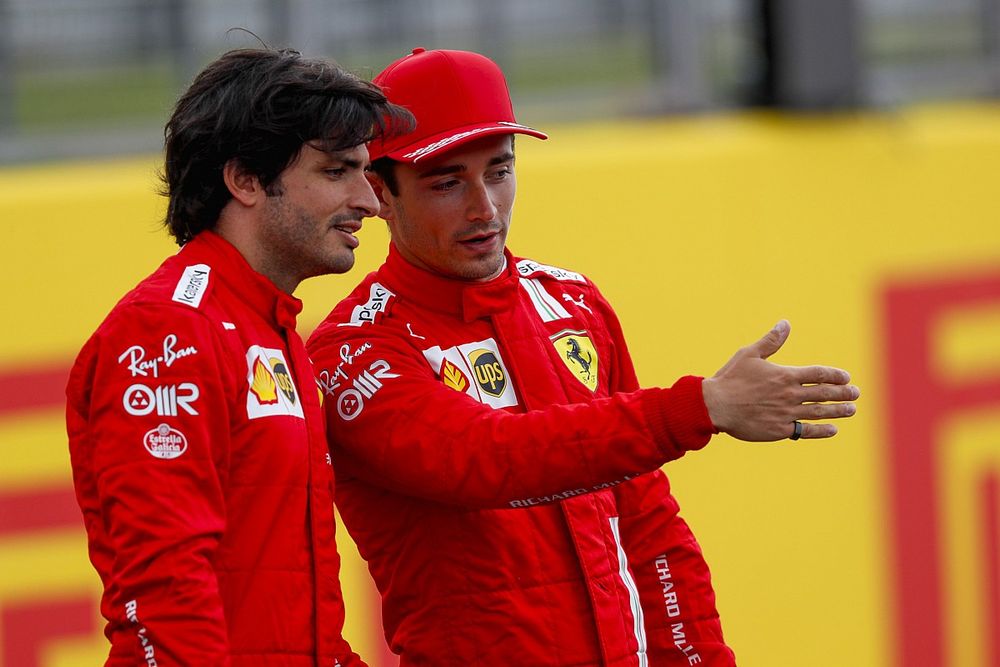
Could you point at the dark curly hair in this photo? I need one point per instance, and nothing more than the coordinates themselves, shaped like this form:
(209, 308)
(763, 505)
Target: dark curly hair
(259, 106)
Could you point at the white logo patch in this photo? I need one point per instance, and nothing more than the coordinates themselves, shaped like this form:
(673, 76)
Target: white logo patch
(482, 362)
(527, 267)
(140, 364)
(192, 285)
(378, 299)
(164, 442)
(271, 389)
(140, 400)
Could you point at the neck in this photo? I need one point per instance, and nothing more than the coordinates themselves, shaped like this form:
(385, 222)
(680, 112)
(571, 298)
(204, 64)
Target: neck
(239, 230)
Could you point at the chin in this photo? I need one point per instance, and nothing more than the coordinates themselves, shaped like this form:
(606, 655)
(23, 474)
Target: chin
(341, 263)
(483, 270)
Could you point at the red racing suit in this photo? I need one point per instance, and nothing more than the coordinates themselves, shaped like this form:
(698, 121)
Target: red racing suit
(200, 463)
(498, 467)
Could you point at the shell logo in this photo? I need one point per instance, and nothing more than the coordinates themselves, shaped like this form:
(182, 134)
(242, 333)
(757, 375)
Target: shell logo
(453, 377)
(263, 386)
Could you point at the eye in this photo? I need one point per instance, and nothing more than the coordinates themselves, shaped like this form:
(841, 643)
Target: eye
(444, 186)
(502, 173)
(335, 172)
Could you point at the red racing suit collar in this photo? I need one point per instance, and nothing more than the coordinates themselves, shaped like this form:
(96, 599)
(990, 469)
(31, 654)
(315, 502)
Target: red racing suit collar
(466, 299)
(254, 289)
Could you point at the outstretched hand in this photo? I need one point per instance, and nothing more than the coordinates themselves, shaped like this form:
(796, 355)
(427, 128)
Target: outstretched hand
(753, 399)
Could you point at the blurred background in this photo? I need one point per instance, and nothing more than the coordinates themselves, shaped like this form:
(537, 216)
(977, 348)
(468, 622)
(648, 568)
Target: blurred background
(86, 77)
(713, 165)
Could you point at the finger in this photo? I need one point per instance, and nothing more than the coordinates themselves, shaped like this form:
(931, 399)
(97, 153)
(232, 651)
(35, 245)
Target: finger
(820, 375)
(772, 340)
(820, 393)
(818, 431)
(825, 411)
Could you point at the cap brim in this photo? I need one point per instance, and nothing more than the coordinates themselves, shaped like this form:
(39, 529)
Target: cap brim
(445, 141)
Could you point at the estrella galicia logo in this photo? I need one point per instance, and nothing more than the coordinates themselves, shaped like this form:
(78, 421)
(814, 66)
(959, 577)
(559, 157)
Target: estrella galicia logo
(165, 442)
(489, 373)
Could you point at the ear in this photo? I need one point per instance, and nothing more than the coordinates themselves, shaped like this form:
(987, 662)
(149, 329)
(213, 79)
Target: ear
(385, 197)
(243, 186)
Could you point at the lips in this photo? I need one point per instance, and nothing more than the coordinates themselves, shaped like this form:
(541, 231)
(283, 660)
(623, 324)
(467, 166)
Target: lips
(348, 229)
(479, 239)
(348, 226)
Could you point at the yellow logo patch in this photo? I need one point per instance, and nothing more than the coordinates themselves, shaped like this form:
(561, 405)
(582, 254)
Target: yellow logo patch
(453, 377)
(263, 386)
(577, 351)
(284, 379)
(488, 371)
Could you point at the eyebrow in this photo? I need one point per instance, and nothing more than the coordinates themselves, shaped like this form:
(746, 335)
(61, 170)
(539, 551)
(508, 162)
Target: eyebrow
(338, 157)
(459, 168)
(351, 163)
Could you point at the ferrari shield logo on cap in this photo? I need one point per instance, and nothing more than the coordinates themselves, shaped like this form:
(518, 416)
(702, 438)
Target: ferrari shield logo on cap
(577, 351)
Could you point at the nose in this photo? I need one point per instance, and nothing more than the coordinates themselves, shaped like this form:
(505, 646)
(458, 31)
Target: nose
(363, 197)
(480, 204)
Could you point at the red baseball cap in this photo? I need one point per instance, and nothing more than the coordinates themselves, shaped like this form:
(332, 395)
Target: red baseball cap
(456, 96)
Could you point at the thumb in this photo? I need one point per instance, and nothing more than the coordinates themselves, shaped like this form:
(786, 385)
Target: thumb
(772, 340)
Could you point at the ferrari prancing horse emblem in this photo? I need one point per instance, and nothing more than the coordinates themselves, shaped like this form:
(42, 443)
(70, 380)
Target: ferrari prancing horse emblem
(577, 352)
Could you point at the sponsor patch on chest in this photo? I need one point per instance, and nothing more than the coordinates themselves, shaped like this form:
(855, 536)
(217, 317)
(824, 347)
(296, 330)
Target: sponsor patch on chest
(271, 388)
(578, 353)
(476, 369)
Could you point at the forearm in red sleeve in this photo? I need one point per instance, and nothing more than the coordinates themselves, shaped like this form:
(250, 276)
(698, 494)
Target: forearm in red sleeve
(164, 515)
(417, 437)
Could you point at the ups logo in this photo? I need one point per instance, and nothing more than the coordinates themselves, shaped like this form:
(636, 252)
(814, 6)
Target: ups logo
(284, 380)
(489, 373)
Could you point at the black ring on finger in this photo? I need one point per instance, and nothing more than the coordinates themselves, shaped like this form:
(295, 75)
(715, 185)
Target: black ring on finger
(797, 431)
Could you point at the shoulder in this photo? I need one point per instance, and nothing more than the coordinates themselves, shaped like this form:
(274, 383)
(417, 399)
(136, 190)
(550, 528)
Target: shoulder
(164, 315)
(535, 275)
(364, 309)
(557, 293)
(179, 280)
(532, 269)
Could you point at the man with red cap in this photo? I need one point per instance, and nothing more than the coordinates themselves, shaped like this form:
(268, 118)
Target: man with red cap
(497, 463)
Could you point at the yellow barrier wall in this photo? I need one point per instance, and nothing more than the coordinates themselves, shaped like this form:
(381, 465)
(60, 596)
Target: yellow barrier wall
(877, 236)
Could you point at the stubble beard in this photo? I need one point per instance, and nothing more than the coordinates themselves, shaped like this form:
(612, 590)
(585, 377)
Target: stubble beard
(296, 251)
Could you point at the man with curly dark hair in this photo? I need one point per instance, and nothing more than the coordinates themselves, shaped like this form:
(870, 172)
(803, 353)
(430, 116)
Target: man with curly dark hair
(195, 430)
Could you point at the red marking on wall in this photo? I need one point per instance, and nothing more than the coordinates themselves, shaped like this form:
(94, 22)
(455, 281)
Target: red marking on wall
(39, 509)
(990, 516)
(919, 401)
(33, 388)
(28, 627)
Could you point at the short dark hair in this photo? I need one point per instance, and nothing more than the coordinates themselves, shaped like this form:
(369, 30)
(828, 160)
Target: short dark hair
(259, 106)
(385, 168)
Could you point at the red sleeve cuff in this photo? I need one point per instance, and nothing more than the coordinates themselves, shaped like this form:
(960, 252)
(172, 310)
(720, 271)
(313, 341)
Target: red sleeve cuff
(678, 416)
